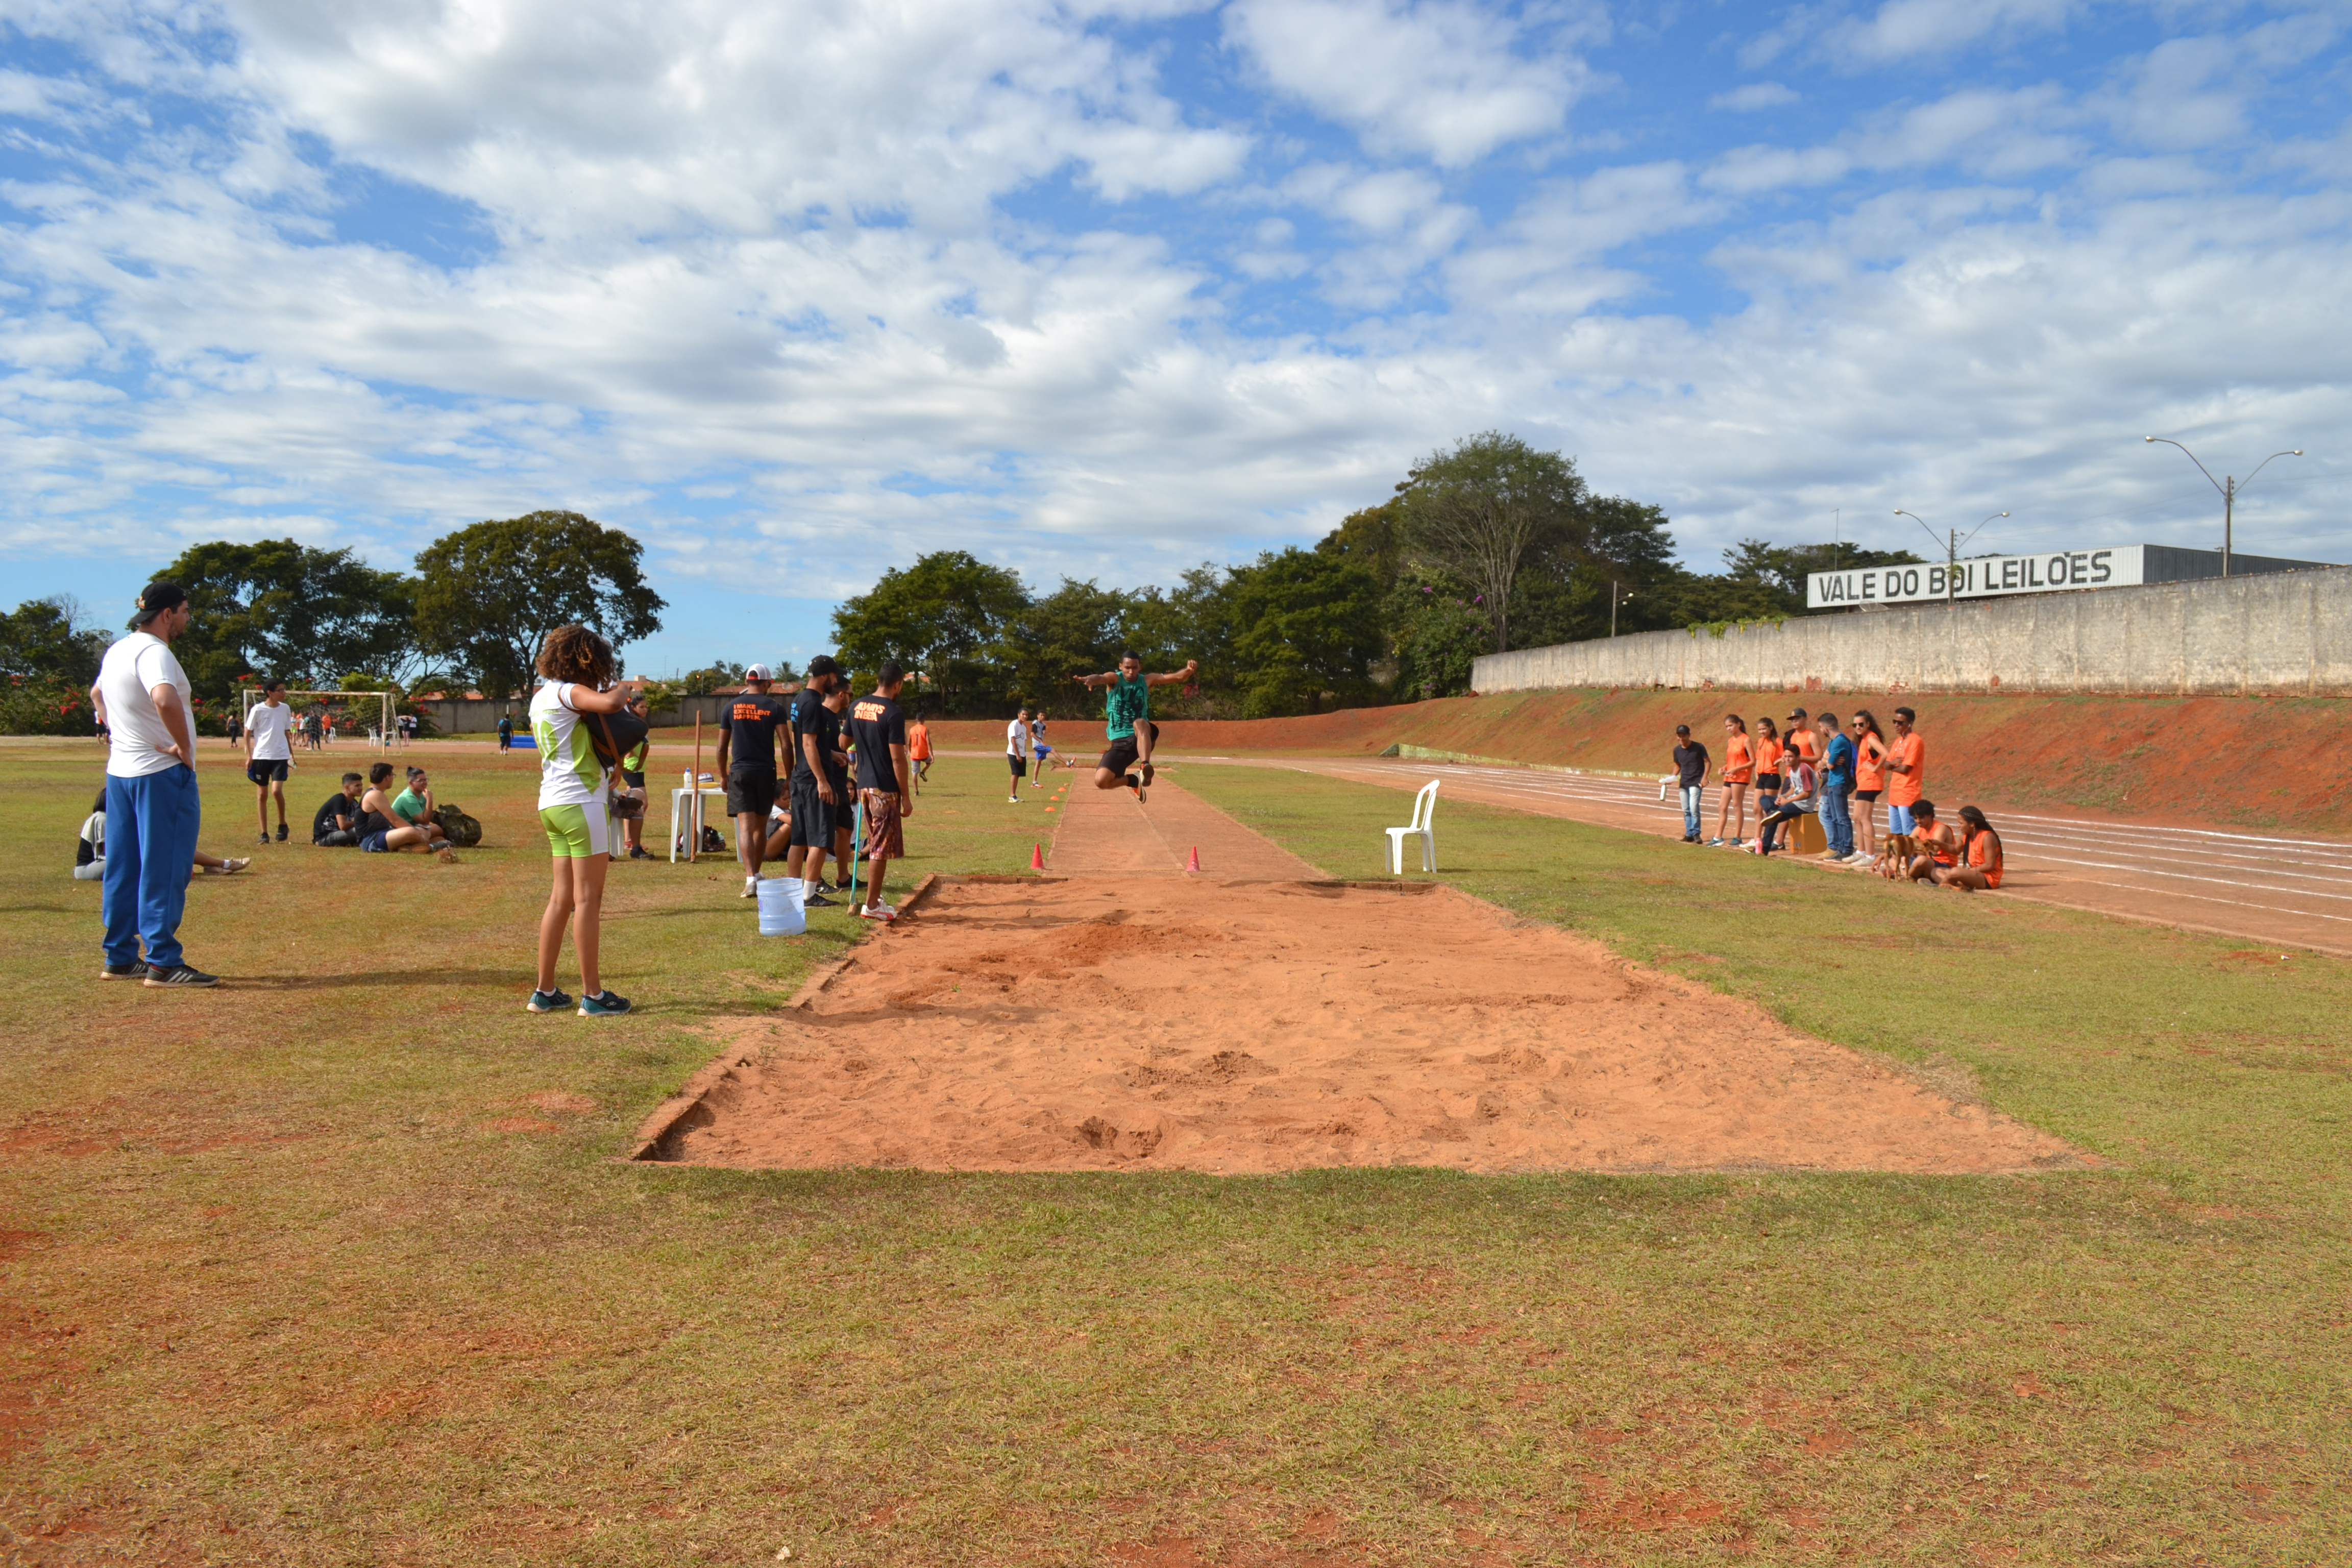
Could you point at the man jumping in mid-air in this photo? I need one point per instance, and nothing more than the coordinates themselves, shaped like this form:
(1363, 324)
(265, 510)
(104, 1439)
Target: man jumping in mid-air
(1131, 729)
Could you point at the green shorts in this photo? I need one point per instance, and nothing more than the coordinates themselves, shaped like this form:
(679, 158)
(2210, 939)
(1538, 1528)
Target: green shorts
(577, 832)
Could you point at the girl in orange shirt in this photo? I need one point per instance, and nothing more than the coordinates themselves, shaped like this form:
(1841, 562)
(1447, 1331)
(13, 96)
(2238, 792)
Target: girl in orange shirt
(1769, 752)
(1980, 871)
(1869, 778)
(1739, 772)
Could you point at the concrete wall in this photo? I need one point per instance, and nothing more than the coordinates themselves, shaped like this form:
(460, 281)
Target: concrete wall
(2288, 633)
(456, 716)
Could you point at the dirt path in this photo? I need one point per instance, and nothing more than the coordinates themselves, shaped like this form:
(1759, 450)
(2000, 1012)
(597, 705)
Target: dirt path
(1105, 832)
(1159, 1021)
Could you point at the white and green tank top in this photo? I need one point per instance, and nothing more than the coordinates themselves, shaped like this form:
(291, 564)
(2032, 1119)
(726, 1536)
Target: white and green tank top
(569, 772)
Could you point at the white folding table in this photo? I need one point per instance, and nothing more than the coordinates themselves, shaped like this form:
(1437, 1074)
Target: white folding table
(678, 801)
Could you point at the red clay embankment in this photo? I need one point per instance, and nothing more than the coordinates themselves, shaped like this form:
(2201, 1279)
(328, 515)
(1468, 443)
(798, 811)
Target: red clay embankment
(2267, 762)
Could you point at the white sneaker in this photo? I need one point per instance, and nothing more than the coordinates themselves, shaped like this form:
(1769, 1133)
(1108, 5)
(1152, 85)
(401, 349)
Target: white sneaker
(876, 911)
(750, 886)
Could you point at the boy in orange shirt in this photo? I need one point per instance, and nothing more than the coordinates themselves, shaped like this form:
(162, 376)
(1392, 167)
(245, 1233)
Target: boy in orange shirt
(1907, 773)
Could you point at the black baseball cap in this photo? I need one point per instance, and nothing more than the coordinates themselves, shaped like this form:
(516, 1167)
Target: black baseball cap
(157, 597)
(823, 664)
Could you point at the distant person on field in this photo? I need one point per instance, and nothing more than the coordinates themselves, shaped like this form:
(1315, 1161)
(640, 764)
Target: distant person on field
(1869, 778)
(1798, 782)
(1834, 788)
(1937, 847)
(1127, 720)
(747, 761)
(886, 785)
(633, 785)
(918, 750)
(818, 807)
(1038, 750)
(1691, 767)
(269, 753)
(383, 830)
(311, 727)
(1980, 859)
(1738, 773)
(1770, 751)
(506, 732)
(1907, 771)
(142, 696)
(575, 794)
(1016, 753)
(336, 824)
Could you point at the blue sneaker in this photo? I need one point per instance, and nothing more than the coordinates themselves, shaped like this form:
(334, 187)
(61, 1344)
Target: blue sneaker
(606, 1004)
(547, 1002)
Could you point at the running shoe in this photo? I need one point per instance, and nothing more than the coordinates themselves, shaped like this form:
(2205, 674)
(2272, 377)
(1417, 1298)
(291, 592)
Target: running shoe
(1715, 844)
(1146, 775)
(604, 1005)
(229, 867)
(547, 1002)
(818, 902)
(281, 833)
(131, 970)
(750, 886)
(641, 853)
(265, 836)
(179, 974)
(882, 912)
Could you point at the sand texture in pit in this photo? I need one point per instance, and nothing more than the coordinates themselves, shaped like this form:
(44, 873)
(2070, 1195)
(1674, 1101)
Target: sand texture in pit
(1095, 1025)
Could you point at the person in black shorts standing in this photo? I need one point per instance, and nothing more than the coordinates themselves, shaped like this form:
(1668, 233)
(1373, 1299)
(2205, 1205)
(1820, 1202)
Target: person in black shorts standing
(746, 757)
(268, 753)
(816, 803)
(885, 784)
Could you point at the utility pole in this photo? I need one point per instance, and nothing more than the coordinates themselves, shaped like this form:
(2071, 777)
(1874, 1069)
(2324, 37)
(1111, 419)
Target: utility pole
(1613, 606)
(1953, 540)
(2227, 485)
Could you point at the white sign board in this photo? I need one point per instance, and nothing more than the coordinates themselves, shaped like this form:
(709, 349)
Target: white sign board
(1985, 577)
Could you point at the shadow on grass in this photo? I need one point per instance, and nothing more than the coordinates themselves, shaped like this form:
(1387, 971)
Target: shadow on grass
(504, 979)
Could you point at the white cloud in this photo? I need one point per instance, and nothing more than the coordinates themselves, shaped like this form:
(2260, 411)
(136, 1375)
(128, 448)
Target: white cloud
(1444, 78)
(1906, 29)
(1754, 95)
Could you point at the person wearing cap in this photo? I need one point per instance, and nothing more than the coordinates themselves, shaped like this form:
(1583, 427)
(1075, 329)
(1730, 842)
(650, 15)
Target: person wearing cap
(819, 781)
(142, 697)
(747, 761)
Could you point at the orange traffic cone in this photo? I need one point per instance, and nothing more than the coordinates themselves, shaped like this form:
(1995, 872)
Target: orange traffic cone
(1036, 857)
(1194, 863)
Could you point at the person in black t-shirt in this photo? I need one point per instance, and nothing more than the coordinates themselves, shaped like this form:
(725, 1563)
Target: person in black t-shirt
(336, 822)
(1691, 764)
(747, 734)
(819, 788)
(885, 788)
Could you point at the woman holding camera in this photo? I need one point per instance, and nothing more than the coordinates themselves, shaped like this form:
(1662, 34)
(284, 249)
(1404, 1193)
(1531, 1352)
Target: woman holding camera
(575, 791)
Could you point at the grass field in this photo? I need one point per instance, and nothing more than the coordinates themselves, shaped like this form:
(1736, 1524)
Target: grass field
(339, 1265)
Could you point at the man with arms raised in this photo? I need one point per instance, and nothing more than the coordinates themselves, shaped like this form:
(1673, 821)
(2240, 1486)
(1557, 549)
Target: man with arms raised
(886, 785)
(270, 751)
(1130, 727)
(151, 811)
(747, 759)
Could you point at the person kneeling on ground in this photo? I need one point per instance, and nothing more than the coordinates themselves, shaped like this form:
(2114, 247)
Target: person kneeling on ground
(336, 824)
(382, 830)
(1938, 846)
(1797, 782)
(1980, 871)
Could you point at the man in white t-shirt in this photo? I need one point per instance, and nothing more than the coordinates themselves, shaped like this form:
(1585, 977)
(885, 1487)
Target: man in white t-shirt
(1016, 751)
(270, 751)
(151, 811)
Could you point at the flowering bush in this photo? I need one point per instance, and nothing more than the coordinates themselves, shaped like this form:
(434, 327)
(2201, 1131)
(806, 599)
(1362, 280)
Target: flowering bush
(32, 706)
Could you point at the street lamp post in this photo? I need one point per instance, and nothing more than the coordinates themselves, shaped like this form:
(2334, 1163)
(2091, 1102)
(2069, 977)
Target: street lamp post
(1951, 541)
(1614, 600)
(2228, 484)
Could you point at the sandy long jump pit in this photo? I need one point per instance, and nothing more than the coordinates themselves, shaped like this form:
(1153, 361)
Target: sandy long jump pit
(1110, 1023)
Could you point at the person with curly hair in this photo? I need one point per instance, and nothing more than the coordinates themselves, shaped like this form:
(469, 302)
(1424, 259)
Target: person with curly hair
(576, 792)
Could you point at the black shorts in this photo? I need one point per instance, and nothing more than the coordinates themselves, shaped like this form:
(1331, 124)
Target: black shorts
(1768, 781)
(750, 790)
(812, 819)
(1020, 765)
(261, 770)
(1865, 795)
(1122, 753)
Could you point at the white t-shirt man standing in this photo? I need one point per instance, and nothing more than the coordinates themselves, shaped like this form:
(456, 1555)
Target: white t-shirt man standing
(152, 810)
(1016, 753)
(270, 751)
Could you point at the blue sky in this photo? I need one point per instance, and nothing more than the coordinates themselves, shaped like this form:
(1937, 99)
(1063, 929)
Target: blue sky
(795, 292)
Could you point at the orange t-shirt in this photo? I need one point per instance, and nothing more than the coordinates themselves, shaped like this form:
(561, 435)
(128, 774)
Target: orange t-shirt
(1870, 764)
(1808, 744)
(1938, 849)
(1767, 754)
(1984, 853)
(1739, 760)
(1902, 789)
(918, 742)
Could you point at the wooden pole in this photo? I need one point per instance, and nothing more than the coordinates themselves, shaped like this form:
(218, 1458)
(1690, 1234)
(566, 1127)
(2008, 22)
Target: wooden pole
(694, 817)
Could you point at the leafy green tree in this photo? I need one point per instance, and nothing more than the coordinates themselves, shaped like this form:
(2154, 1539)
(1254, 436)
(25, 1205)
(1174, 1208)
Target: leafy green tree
(40, 640)
(710, 678)
(1437, 632)
(1372, 538)
(283, 608)
(1079, 628)
(1304, 624)
(1474, 512)
(945, 616)
(488, 594)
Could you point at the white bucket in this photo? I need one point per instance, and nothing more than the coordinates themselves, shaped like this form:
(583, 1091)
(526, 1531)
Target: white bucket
(781, 913)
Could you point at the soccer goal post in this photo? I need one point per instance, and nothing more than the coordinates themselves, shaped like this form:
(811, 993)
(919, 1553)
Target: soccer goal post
(380, 739)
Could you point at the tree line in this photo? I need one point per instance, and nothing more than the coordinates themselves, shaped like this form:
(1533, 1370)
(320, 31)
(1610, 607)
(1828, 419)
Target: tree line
(1489, 546)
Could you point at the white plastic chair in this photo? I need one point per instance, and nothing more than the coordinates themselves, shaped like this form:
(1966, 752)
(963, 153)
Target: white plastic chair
(1425, 809)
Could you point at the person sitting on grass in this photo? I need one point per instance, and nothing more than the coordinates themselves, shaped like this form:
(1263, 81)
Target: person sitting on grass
(1936, 848)
(336, 824)
(1979, 867)
(414, 805)
(90, 850)
(383, 831)
(1799, 782)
